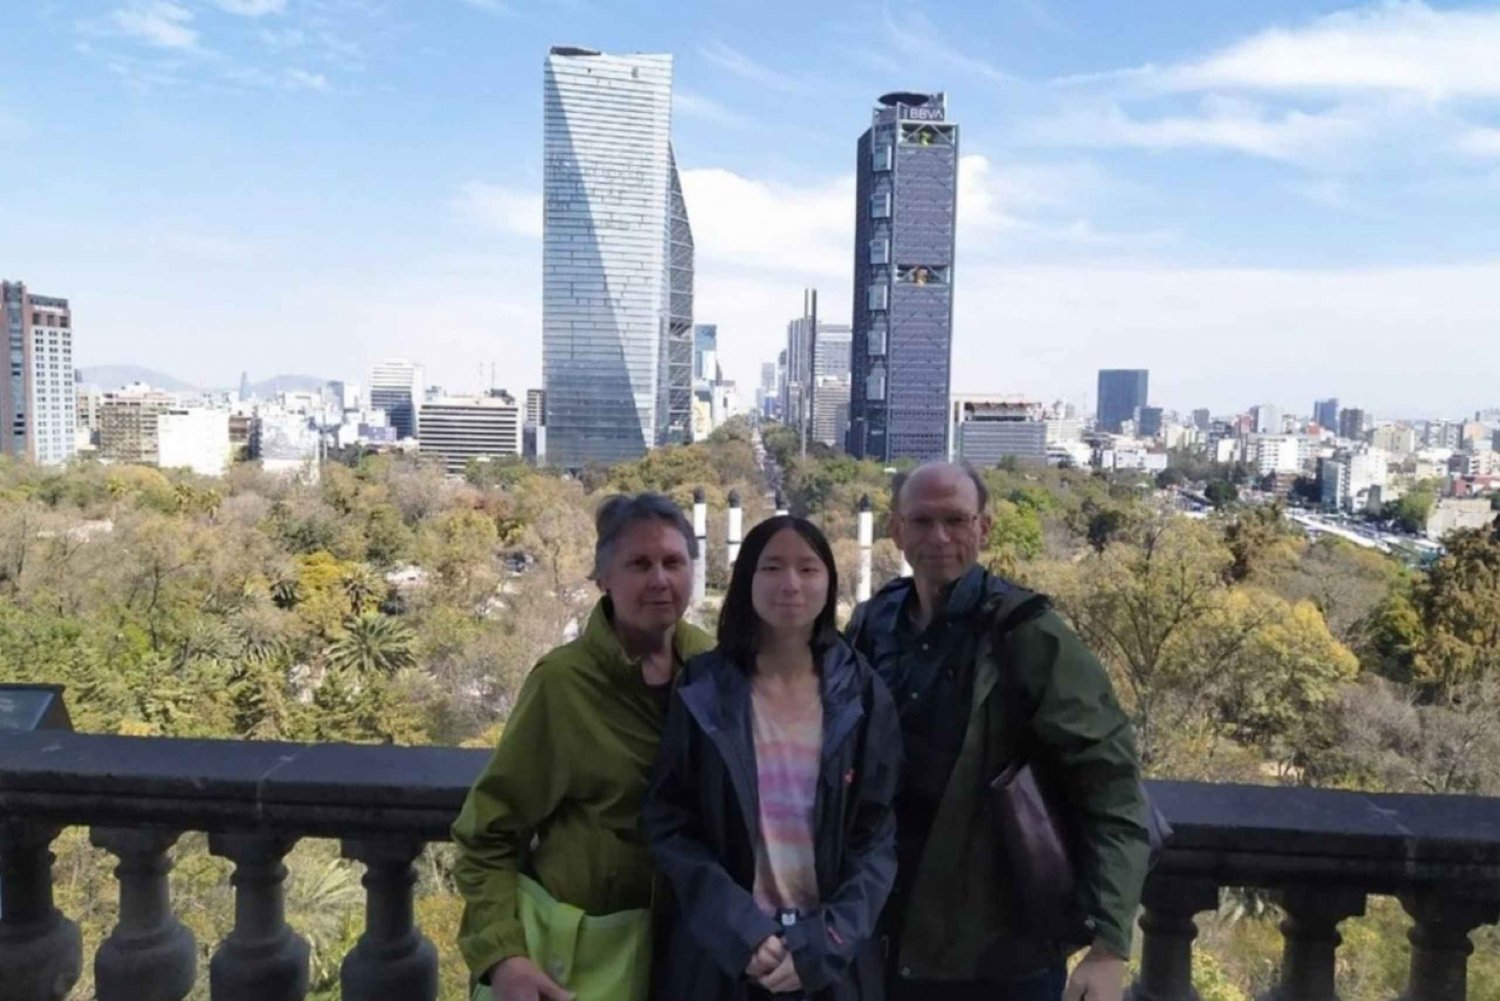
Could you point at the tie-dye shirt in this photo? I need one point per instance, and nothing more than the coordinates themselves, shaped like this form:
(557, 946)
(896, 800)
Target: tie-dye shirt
(788, 749)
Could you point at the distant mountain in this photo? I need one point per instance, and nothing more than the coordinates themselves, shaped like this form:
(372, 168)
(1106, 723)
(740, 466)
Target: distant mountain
(268, 388)
(115, 376)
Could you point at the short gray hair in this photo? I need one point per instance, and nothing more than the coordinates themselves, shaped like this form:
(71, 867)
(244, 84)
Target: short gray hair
(619, 512)
(898, 482)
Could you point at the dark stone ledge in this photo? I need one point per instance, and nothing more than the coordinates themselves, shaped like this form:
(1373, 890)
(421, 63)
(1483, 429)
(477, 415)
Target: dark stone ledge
(1257, 835)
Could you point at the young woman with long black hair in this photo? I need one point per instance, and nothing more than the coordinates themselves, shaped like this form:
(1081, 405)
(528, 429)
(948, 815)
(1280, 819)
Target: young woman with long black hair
(770, 805)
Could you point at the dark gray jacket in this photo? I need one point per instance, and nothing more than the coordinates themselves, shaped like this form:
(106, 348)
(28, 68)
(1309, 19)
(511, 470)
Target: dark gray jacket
(701, 820)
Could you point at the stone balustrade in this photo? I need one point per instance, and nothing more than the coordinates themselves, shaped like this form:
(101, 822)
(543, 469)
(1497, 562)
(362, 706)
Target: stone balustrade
(1321, 852)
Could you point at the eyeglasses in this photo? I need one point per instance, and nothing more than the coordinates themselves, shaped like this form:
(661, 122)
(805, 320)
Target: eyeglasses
(926, 524)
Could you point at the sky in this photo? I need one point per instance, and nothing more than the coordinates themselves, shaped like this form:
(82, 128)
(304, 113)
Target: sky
(1264, 202)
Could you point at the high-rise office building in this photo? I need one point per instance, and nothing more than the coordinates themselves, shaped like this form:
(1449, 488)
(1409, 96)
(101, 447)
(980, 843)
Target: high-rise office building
(1149, 425)
(800, 385)
(1326, 414)
(536, 407)
(1352, 424)
(830, 418)
(1267, 418)
(906, 192)
(128, 424)
(988, 430)
(1202, 419)
(617, 337)
(38, 408)
(831, 351)
(1122, 393)
(460, 428)
(396, 388)
(706, 352)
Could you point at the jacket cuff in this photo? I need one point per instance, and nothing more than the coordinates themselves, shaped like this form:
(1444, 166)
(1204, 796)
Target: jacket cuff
(504, 947)
(734, 956)
(1112, 936)
(807, 941)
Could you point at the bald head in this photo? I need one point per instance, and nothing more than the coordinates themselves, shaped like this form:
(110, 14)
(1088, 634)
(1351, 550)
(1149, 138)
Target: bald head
(960, 480)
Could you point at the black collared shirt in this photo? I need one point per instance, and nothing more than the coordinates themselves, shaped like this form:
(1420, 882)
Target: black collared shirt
(930, 672)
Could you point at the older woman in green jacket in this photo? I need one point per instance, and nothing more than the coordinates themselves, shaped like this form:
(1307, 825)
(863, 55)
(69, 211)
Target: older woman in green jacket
(560, 800)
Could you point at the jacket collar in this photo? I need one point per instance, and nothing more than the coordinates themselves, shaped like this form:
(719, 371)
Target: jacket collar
(718, 697)
(960, 598)
(605, 649)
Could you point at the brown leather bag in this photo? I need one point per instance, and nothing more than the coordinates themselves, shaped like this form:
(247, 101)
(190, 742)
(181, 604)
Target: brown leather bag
(1038, 832)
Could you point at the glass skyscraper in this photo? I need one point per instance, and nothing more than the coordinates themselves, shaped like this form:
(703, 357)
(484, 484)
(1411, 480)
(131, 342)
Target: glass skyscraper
(617, 281)
(901, 354)
(1122, 393)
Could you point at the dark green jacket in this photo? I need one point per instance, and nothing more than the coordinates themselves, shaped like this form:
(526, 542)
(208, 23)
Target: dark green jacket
(571, 769)
(958, 924)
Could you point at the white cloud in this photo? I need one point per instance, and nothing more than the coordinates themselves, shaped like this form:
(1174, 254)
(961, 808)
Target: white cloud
(1385, 81)
(693, 105)
(1397, 45)
(488, 6)
(515, 212)
(1226, 123)
(161, 23)
(915, 38)
(251, 8)
(1046, 331)
(298, 79)
(744, 224)
(1480, 142)
(741, 65)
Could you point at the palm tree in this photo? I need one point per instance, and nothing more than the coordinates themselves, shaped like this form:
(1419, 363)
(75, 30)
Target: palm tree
(363, 588)
(373, 643)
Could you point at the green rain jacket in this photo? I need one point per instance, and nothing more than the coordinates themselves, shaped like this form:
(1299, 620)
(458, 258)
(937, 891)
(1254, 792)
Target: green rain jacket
(561, 798)
(958, 925)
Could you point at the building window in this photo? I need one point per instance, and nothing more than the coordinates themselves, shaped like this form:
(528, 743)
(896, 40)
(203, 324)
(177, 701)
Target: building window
(879, 297)
(921, 274)
(875, 341)
(880, 205)
(880, 251)
(875, 383)
(881, 158)
(926, 134)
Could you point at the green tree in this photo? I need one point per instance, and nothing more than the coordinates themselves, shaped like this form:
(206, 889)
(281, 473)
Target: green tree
(1458, 604)
(372, 643)
(1221, 493)
(1411, 511)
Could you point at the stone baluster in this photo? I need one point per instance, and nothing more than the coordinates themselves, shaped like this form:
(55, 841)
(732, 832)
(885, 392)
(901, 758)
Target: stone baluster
(150, 955)
(41, 952)
(1311, 940)
(393, 959)
(1168, 933)
(1440, 945)
(261, 959)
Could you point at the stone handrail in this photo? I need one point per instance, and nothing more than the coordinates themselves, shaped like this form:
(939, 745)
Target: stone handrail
(1322, 852)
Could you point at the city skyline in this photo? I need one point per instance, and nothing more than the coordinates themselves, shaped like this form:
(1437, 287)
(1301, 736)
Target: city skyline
(1126, 194)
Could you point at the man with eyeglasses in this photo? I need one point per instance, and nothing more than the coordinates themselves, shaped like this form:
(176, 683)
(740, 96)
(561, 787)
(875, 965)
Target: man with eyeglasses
(979, 668)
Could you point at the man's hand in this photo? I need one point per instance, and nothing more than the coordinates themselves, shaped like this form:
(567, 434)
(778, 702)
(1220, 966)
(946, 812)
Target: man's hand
(767, 958)
(1099, 977)
(783, 979)
(518, 979)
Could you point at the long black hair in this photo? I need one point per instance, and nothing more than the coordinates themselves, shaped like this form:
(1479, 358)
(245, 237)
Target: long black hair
(739, 624)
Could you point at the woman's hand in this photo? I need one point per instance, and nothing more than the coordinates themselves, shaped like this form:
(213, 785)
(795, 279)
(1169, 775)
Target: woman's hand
(782, 979)
(518, 979)
(768, 957)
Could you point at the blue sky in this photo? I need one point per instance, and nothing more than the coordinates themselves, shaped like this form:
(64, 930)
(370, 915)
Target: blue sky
(1260, 202)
